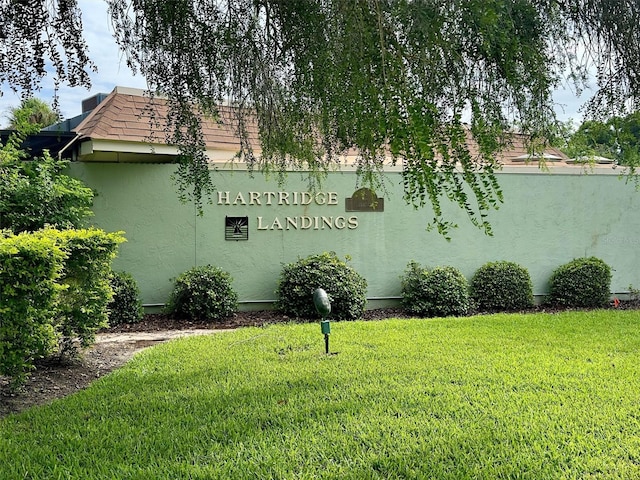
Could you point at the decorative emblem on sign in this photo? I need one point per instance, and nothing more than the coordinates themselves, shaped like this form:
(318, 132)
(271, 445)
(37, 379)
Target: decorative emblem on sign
(364, 200)
(236, 228)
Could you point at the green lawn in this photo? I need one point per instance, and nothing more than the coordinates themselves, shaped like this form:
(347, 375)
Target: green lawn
(501, 396)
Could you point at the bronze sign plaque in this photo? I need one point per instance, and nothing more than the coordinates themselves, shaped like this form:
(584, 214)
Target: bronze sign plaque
(364, 200)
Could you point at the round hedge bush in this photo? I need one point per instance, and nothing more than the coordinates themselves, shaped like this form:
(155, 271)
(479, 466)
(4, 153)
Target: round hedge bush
(501, 286)
(203, 293)
(583, 282)
(412, 282)
(125, 305)
(440, 292)
(298, 280)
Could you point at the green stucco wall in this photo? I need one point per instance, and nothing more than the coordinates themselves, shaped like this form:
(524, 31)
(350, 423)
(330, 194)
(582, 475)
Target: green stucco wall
(547, 219)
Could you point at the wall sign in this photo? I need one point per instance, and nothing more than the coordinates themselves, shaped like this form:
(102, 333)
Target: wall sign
(236, 228)
(364, 200)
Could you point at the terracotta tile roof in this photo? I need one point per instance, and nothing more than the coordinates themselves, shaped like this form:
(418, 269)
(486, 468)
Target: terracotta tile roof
(516, 153)
(125, 115)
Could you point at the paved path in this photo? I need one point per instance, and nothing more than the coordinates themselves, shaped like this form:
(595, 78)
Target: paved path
(149, 338)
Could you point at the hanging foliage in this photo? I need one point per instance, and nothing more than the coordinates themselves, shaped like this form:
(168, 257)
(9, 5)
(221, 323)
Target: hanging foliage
(429, 85)
(37, 36)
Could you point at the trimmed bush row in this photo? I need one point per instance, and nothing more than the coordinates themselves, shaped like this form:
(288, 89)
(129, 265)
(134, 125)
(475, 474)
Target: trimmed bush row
(502, 286)
(205, 293)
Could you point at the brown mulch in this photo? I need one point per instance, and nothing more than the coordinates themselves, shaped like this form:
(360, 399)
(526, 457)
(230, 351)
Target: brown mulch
(154, 322)
(55, 379)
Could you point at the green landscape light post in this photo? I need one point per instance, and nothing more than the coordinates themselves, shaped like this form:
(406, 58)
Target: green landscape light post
(323, 306)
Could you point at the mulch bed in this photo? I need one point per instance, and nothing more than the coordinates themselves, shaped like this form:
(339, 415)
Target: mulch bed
(158, 322)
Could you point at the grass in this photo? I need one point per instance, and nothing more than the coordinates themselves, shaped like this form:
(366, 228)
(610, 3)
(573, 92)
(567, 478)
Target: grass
(500, 396)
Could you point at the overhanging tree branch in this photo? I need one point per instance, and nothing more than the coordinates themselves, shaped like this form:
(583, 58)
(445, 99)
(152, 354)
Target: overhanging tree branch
(390, 79)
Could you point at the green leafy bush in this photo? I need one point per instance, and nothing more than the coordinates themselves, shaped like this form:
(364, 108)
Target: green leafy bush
(69, 302)
(346, 288)
(82, 303)
(203, 293)
(501, 286)
(36, 193)
(412, 282)
(125, 306)
(29, 269)
(440, 292)
(583, 282)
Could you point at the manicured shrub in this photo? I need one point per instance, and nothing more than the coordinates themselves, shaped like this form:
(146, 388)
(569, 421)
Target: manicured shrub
(125, 306)
(440, 292)
(29, 269)
(501, 286)
(346, 288)
(203, 293)
(412, 282)
(54, 286)
(583, 282)
(82, 303)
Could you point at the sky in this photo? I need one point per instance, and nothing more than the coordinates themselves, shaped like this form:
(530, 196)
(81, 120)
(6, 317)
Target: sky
(113, 71)
(103, 51)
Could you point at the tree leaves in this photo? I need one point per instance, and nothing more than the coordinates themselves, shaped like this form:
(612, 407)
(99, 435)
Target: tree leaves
(32, 115)
(35, 33)
(36, 193)
(401, 82)
(389, 80)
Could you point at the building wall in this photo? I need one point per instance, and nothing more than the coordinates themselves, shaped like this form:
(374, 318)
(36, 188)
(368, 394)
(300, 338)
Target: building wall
(547, 220)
